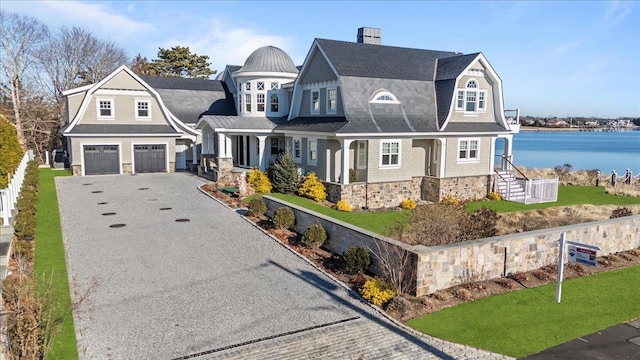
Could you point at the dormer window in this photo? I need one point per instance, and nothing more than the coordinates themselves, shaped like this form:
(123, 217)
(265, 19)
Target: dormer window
(315, 101)
(471, 100)
(384, 97)
(332, 104)
(105, 109)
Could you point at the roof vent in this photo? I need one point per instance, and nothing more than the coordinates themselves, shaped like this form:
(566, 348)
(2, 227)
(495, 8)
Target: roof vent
(367, 35)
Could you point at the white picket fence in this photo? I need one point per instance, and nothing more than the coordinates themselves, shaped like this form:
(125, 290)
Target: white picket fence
(9, 195)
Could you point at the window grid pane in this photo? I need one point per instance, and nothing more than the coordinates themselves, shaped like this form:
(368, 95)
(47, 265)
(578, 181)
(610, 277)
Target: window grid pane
(260, 85)
(260, 102)
(247, 102)
(274, 103)
(105, 108)
(143, 109)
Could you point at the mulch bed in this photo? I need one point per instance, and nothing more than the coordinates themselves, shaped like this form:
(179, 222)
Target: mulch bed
(408, 307)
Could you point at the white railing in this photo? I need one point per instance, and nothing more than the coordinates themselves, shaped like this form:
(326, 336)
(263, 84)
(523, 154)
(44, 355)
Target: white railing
(539, 190)
(9, 195)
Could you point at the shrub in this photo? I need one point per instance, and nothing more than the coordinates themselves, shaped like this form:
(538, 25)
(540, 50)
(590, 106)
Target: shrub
(343, 206)
(494, 196)
(357, 259)
(378, 291)
(284, 218)
(259, 181)
(620, 212)
(313, 188)
(451, 199)
(463, 294)
(284, 174)
(256, 206)
(314, 236)
(479, 224)
(10, 152)
(441, 295)
(23, 249)
(408, 204)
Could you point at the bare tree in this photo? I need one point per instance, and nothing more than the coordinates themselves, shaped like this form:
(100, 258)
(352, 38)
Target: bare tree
(20, 37)
(397, 265)
(74, 57)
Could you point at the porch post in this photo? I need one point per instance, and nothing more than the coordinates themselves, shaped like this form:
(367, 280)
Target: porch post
(221, 145)
(508, 140)
(261, 144)
(344, 166)
(442, 156)
(194, 152)
(492, 165)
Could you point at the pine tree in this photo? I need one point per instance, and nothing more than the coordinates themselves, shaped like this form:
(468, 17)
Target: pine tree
(180, 62)
(284, 174)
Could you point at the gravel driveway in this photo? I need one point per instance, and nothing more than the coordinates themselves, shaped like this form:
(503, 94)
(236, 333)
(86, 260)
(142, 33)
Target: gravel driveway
(168, 288)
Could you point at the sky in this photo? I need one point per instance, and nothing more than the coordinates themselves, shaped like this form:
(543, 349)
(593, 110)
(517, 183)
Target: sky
(554, 58)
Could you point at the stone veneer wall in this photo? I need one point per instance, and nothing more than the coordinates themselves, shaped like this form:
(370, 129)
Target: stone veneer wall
(374, 195)
(465, 188)
(440, 267)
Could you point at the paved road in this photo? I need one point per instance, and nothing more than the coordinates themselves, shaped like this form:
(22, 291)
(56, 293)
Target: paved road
(210, 287)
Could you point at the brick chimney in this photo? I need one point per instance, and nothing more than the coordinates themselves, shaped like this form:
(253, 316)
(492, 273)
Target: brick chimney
(367, 35)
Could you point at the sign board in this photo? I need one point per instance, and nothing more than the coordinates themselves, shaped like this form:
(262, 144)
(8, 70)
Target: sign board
(582, 255)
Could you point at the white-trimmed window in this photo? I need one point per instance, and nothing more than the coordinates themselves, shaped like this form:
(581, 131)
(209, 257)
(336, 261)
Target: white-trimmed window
(471, 101)
(260, 102)
(389, 153)
(105, 109)
(460, 100)
(362, 155)
(481, 100)
(143, 110)
(315, 101)
(260, 85)
(275, 86)
(247, 102)
(275, 146)
(312, 149)
(332, 100)
(275, 103)
(247, 86)
(468, 149)
(384, 97)
(297, 149)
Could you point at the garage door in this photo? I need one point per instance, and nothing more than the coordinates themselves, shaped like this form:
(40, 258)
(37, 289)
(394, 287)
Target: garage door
(149, 158)
(101, 159)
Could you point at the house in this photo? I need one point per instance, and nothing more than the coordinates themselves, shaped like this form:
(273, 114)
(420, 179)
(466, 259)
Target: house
(378, 124)
(121, 125)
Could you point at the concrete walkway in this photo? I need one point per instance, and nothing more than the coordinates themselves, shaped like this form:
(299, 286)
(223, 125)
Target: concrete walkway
(186, 277)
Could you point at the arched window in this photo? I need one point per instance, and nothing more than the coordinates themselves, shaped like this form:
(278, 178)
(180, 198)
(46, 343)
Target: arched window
(384, 97)
(472, 84)
(472, 99)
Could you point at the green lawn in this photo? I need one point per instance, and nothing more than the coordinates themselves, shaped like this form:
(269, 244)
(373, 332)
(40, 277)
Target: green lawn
(380, 222)
(567, 195)
(50, 261)
(528, 321)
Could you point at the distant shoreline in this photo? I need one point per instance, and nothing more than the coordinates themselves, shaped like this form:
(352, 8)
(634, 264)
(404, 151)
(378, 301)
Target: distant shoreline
(535, 129)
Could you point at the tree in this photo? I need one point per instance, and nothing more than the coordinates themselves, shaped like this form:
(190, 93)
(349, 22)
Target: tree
(10, 151)
(284, 174)
(141, 66)
(20, 37)
(74, 57)
(180, 62)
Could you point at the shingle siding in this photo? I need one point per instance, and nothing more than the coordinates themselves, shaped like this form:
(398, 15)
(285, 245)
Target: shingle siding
(455, 168)
(122, 80)
(317, 70)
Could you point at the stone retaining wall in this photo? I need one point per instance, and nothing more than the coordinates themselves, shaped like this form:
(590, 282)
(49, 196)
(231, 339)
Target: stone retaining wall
(440, 267)
(374, 195)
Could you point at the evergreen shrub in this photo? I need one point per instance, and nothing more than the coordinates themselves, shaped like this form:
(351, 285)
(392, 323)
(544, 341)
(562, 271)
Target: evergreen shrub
(313, 188)
(314, 236)
(357, 259)
(284, 174)
(378, 291)
(409, 204)
(10, 151)
(343, 206)
(256, 207)
(259, 181)
(283, 218)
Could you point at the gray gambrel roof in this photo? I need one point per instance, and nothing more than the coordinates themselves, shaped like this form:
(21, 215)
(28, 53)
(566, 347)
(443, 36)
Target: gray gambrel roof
(188, 99)
(383, 62)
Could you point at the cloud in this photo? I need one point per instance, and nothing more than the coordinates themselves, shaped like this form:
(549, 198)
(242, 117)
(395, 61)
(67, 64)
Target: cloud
(616, 11)
(226, 45)
(99, 18)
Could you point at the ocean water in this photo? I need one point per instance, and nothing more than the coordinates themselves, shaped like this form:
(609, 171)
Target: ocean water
(584, 150)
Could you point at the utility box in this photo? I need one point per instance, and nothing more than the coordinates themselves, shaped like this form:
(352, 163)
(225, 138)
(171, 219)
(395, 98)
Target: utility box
(59, 157)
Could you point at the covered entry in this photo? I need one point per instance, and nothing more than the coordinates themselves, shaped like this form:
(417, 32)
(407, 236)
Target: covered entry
(150, 158)
(101, 159)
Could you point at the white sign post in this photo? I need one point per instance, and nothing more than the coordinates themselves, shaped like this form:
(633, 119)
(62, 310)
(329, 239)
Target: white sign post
(579, 253)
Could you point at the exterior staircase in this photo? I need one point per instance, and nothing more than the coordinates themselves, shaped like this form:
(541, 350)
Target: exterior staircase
(509, 187)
